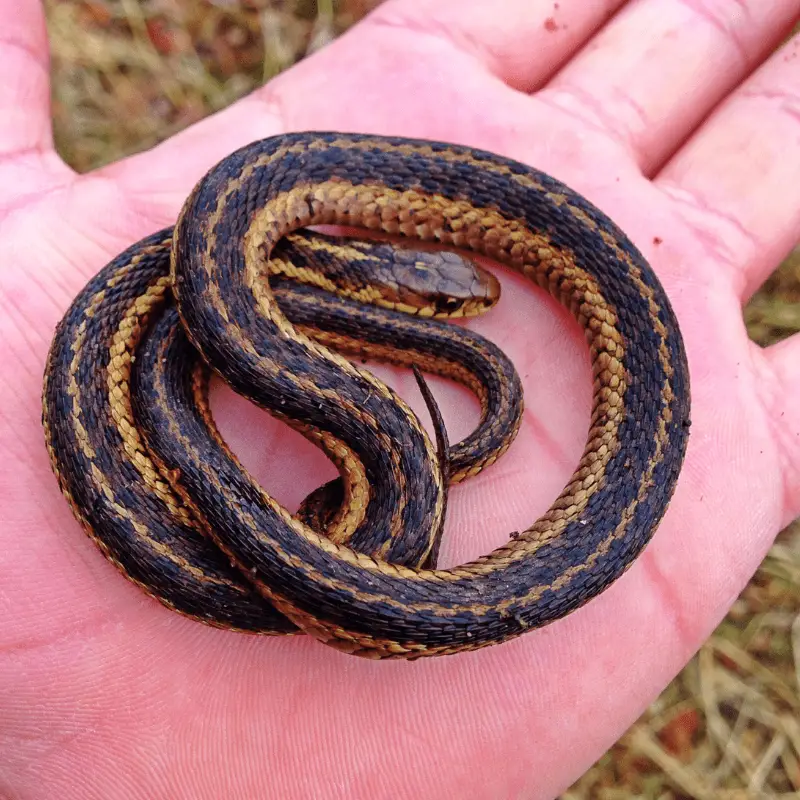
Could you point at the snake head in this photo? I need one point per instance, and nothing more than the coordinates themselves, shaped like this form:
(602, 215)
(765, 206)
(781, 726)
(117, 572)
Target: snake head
(414, 279)
(442, 284)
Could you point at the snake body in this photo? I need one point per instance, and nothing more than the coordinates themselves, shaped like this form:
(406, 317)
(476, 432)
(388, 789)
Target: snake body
(369, 596)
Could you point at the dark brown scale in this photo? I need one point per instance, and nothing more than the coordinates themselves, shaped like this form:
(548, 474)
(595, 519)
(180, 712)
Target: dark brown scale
(459, 197)
(438, 347)
(220, 597)
(217, 593)
(614, 502)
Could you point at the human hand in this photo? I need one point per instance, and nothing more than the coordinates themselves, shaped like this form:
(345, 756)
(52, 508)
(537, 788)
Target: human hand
(105, 693)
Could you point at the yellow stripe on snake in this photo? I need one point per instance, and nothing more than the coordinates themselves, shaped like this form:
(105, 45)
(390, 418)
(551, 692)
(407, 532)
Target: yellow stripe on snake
(145, 470)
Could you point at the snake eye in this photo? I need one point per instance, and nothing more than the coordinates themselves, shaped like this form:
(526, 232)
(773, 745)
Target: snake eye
(449, 304)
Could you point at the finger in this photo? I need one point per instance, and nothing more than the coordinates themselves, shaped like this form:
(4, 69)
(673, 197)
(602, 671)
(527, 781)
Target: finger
(737, 181)
(657, 69)
(522, 42)
(783, 360)
(25, 84)
(415, 68)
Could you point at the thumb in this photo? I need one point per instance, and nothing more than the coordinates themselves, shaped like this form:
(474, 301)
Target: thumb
(25, 87)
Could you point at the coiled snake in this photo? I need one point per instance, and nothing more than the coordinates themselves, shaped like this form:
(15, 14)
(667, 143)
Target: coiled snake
(138, 456)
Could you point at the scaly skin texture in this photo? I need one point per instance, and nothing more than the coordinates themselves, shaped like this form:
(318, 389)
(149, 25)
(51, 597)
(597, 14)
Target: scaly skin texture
(103, 693)
(109, 399)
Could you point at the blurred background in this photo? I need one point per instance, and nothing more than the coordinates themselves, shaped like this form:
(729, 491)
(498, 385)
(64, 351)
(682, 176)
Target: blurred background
(129, 73)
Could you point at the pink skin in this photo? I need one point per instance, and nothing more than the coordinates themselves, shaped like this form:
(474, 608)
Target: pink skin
(662, 113)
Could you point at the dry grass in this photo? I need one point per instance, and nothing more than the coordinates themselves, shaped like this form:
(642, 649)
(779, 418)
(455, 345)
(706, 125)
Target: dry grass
(128, 73)
(729, 725)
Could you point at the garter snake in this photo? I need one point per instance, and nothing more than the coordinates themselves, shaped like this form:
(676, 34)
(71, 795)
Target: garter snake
(166, 465)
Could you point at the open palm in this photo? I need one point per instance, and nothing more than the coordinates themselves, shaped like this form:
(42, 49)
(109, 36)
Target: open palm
(104, 693)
